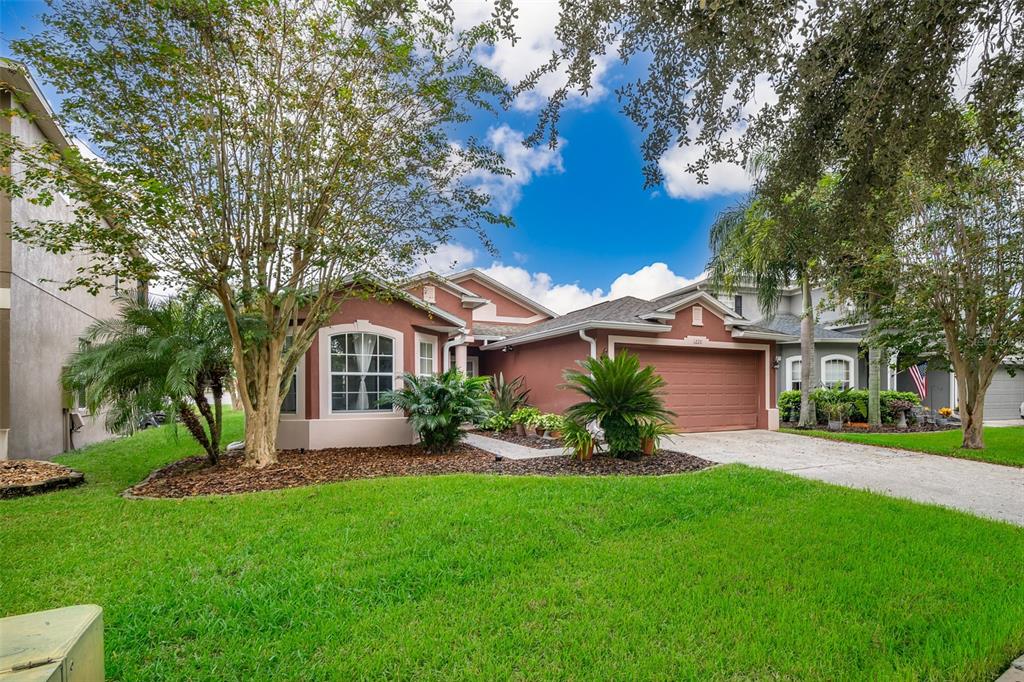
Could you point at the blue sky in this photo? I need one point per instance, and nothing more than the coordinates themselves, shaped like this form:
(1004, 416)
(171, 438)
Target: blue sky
(585, 227)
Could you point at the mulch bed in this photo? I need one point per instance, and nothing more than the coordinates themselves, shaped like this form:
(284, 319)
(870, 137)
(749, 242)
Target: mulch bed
(530, 441)
(21, 477)
(190, 477)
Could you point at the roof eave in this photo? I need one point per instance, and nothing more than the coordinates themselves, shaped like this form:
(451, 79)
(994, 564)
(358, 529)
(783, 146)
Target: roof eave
(572, 328)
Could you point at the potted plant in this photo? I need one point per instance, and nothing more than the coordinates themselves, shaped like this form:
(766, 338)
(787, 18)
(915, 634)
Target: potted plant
(522, 417)
(536, 424)
(651, 433)
(577, 440)
(900, 409)
(553, 424)
(837, 413)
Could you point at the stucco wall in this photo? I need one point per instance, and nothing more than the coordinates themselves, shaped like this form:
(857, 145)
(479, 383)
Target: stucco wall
(317, 427)
(789, 350)
(503, 306)
(45, 326)
(542, 363)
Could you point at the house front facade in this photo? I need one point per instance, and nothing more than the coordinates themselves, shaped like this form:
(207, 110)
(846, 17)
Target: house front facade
(39, 324)
(719, 368)
(841, 356)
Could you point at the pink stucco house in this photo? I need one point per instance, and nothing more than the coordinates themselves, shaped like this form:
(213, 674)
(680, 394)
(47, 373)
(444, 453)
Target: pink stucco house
(719, 366)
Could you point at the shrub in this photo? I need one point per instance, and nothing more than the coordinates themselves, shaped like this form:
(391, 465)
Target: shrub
(620, 396)
(437, 406)
(507, 396)
(789, 402)
(525, 415)
(551, 422)
(498, 422)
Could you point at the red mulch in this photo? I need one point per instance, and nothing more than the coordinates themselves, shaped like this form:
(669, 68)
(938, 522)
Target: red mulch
(531, 440)
(190, 477)
(20, 477)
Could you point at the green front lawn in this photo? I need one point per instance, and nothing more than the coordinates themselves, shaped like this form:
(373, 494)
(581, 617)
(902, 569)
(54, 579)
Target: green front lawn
(732, 573)
(1002, 445)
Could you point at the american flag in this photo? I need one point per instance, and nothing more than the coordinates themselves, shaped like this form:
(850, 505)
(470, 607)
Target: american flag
(918, 374)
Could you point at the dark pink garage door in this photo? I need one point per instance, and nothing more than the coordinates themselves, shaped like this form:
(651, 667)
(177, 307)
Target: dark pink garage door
(710, 390)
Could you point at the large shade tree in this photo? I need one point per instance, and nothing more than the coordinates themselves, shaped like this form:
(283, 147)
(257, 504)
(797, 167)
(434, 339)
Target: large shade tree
(859, 85)
(951, 281)
(269, 153)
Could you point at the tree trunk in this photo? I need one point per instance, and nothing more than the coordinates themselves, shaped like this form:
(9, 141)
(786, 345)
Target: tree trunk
(261, 394)
(213, 444)
(195, 427)
(217, 430)
(974, 435)
(808, 377)
(261, 435)
(874, 386)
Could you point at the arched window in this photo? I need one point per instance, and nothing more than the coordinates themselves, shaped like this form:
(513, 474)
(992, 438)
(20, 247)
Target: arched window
(793, 366)
(362, 367)
(837, 371)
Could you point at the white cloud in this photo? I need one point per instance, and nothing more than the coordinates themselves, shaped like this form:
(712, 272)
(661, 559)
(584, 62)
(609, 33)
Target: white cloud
(447, 258)
(524, 162)
(535, 28)
(648, 282)
(723, 178)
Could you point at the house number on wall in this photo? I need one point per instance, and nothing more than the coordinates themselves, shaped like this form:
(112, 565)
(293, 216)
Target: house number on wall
(695, 340)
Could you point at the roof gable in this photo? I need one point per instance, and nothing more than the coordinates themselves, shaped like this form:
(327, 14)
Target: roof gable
(497, 287)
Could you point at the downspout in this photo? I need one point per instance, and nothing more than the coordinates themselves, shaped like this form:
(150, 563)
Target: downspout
(447, 363)
(591, 340)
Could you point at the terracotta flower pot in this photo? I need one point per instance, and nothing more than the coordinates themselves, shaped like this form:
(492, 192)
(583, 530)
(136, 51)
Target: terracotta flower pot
(588, 453)
(539, 430)
(554, 434)
(521, 429)
(648, 446)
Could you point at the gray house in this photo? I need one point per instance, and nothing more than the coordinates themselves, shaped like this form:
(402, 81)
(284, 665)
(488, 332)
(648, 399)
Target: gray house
(39, 323)
(842, 359)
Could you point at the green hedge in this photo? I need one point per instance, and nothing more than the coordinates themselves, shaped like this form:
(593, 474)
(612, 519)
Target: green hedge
(789, 402)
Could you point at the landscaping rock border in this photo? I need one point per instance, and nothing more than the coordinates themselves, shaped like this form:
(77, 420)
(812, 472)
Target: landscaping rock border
(43, 477)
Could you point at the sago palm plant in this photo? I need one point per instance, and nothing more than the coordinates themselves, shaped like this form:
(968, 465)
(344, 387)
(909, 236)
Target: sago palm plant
(437, 406)
(153, 356)
(621, 396)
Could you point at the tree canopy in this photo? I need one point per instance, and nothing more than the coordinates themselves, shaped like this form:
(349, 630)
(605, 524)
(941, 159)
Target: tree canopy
(269, 153)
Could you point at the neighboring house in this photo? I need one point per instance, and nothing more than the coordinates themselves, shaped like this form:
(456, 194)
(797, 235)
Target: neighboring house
(842, 359)
(718, 365)
(39, 324)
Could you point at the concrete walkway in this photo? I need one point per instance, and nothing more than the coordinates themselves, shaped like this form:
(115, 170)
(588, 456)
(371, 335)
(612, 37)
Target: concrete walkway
(989, 490)
(509, 450)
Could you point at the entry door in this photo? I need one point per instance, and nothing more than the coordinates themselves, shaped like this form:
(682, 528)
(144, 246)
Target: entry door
(473, 366)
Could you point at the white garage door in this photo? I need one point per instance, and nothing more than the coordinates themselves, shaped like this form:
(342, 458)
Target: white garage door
(1005, 395)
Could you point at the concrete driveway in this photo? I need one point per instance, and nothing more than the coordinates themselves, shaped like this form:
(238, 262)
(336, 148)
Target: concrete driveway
(987, 490)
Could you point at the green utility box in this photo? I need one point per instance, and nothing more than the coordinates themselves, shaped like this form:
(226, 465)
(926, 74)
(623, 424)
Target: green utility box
(60, 645)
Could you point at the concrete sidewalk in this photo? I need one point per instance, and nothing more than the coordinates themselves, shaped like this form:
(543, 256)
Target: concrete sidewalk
(989, 490)
(510, 450)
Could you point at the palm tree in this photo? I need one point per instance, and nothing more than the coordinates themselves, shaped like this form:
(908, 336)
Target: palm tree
(775, 244)
(152, 356)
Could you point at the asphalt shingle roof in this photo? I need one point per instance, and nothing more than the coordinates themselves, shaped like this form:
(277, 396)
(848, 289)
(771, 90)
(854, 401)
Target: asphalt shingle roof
(786, 323)
(625, 309)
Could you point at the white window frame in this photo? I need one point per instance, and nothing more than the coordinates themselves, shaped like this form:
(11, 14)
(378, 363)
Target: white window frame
(300, 392)
(790, 361)
(432, 340)
(324, 342)
(838, 356)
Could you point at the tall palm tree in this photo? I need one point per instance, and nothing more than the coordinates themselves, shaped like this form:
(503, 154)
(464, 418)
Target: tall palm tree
(775, 244)
(152, 356)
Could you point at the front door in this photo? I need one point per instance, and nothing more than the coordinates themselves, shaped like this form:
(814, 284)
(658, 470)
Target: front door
(472, 366)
